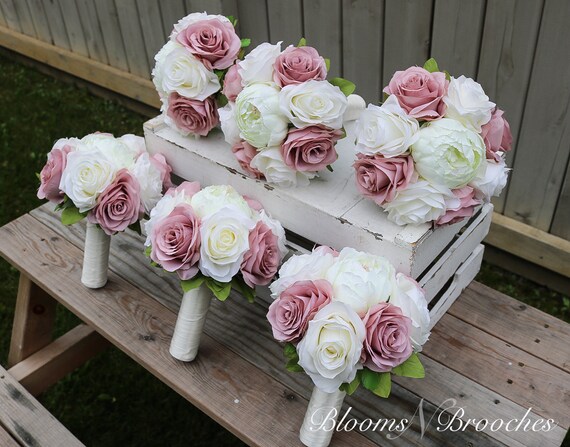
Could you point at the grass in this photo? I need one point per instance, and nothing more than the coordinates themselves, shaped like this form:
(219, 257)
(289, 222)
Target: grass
(112, 401)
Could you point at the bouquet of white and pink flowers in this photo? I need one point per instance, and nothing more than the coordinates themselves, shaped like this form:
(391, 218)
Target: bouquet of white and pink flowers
(114, 182)
(190, 69)
(348, 319)
(434, 150)
(214, 239)
(284, 117)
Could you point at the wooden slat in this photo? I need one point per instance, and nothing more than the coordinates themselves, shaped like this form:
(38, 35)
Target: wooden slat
(39, 19)
(73, 27)
(210, 6)
(92, 30)
(250, 403)
(24, 17)
(111, 32)
(9, 14)
(6, 439)
(285, 21)
(50, 364)
(56, 21)
(252, 16)
(27, 420)
(171, 12)
(130, 27)
(362, 22)
(2, 18)
(152, 29)
(561, 221)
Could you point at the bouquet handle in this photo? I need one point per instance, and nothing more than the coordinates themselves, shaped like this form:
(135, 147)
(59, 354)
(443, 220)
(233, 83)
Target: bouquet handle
(320, 418)
(95, 257)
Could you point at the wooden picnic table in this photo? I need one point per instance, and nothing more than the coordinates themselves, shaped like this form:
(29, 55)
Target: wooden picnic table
(494, 355)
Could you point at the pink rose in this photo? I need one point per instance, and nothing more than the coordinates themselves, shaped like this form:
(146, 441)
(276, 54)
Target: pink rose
(159, 162)
(244, 152)
(261, 261)
(299, 64)
(380, 178)
(50, 175)
(212, 41)
(290, 314)
(310, 148)
(119, 205)
(175, 242)
(467, 204)
(191, 115)
(387, 343)
(189, 188)
(497, 135)
(326, 250)
(253, 203)
(419, 92)
(232, 83)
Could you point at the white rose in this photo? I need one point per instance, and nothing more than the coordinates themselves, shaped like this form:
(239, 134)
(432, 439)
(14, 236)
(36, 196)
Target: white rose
(490, 181)
(419, 203)
(115, 150)
(448, 153)
(385, 130)
(330, 350)
(157, 75)
(361, 280)
(229, 124)
(257, 66)
(163, 209)
(150, 181)
(467, 102)
(190, 19)
(277, 229)
(225, 240)
(258, 116)
(411, 299)
(313, 102)
(270, 163)
(135, 143)
(211, 199)
(85, 176)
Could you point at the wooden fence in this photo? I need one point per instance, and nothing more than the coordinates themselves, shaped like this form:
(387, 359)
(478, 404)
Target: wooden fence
(519, 50)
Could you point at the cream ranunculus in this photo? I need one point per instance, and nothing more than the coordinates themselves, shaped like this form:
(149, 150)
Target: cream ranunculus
(361, 280)
(490, 181)
(420, 202)
(467, 102)
(258, 116)
(257, 66)
(385, 130)
(410, 298)
(330, 350)
(270, 163)
(150, 181)
(313, 102)
(448, 153)
(85, 176)
(229, 124)
(225, 240)
(115, 150)
(213, 198)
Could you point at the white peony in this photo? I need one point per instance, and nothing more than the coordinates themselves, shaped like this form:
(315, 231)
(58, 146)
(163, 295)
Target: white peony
(115, 150)
(163, 209)
(190, 19)
(385, 130)
(490, 181)
(361, 280)
(150, 181)
(213, 198)
(467, 102)
(229, 124)
(277, 229)
(85, 176)
(410, 297)
(448, 153)
(225, 240)
(419, 203)
(258, 116)
(257, 66)
(313, 102)
(270, 163)
(135, 143)
(330, 350)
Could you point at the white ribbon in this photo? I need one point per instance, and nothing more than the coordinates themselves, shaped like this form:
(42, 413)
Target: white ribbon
(320, 418)
(95, 257)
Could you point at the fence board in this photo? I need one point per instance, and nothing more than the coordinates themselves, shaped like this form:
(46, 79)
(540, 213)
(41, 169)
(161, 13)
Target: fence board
(253, 23)
(544, 146)
(406, 35)
(111, 31)
(92, 30)
(73, 28)
(39, 19)
(456, 36)
(2, 18)
(132, 37)
(25, 18)
(285, 21)
(9, 15)
(152, 29)
(561, 221)
(362, 52)
(56, 23)
(172, 11)
(210, 6)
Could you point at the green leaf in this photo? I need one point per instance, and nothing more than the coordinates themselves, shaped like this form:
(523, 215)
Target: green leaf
(385, 96)
(221, 99)
(221, 290)
(239, 284)
(330, 168)
(410, 368)
(302, 42)
(189, 284)
(290, 351)
(220, 74)
(39, 176)
(351, 387)
(293, 366)
(345, 86)
(147, 251)
(379, 383)
(327, 63)
(245, 43)
(447, 75)
(431, 65)
(71, 215)
(232, 20)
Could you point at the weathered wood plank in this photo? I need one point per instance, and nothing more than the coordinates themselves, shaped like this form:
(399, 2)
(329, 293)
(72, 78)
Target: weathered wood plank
(39, 19)
(6, 439)
(152, 29)
(111, 32)
(132, 37)
(252, 20)
(9, 14)
(3, 23)
(285, 21)
(171, 12)
(91, 30)
(56, 21)
(561, 222)
(73, 27)
(25, 18)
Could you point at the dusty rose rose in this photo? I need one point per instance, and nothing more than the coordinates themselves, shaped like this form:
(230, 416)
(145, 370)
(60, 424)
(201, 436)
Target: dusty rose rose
(253, 203)
(191, 115)
(290, 314)
(387, 343)
(212, 41)
(310, 148)
(299, 64)
(419, 92)
(50, 175)
(244, 152)
(261, 261)
(189, 188)
(232, 83)
(119, 205)
(175, 242)
(326, 250)
(497, 135)
(380, 178)
(467, 204)
(159, 162)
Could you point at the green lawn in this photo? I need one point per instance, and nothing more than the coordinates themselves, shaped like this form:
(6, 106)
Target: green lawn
(111, 401)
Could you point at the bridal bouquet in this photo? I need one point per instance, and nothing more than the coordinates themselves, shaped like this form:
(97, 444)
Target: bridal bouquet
(347, 319)
(113, 182)
(434, 150)
(214, 239)
(284, 117)
(190, 69)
